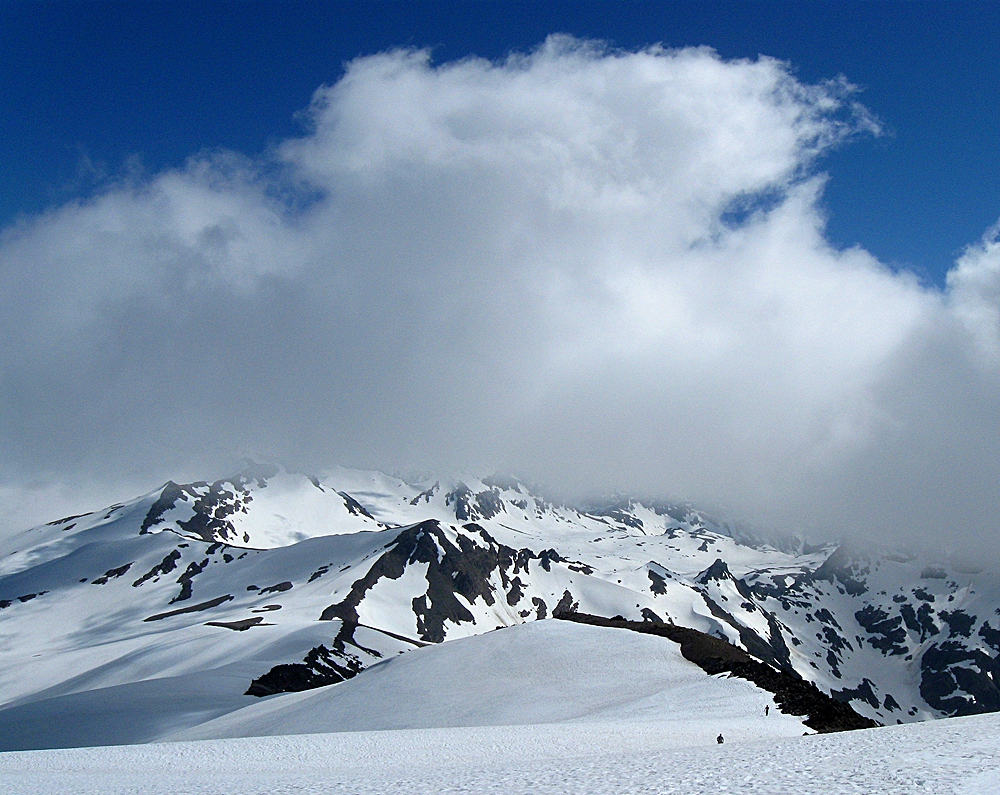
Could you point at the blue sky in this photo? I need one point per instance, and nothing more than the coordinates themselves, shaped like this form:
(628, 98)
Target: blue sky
(87, 85)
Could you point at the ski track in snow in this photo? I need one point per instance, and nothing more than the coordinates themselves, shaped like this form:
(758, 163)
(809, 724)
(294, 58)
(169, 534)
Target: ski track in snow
(959, 755)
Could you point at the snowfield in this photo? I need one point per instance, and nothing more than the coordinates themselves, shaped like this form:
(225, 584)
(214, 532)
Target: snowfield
(546, 707)
(956, 755)
(544, 672)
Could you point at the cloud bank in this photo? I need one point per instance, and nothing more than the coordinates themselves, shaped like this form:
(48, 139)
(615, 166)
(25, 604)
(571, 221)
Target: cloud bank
(599, 269)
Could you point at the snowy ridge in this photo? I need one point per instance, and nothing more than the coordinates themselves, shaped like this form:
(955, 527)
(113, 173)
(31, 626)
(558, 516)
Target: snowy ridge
(272, 581)
(542, 672)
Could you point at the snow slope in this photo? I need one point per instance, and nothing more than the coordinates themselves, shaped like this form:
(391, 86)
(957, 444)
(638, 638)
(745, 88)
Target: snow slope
(957, 755)
(544, 672)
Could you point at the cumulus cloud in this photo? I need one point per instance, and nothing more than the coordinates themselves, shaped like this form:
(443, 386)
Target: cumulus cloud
(603, 270)
(974, 293)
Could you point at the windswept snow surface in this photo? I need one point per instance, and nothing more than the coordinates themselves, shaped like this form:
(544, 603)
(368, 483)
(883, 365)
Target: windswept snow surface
(957, 755)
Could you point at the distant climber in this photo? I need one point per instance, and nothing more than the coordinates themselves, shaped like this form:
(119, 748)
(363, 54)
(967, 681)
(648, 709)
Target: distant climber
(720, 739)
(767, 708)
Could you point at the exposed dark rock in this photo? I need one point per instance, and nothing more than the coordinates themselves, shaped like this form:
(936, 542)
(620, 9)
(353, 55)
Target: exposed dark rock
(843, 568)
(470, 507)
(618, 509)
(66, 519)
(772, 649)
(353, 506)
(191, 608)
(679, 513)
(793, 695)
(281, 587)
(167, 499)
(212, 511)
(959, 681)
(5, 603)
(990, 635)
(775, 589)
(863, 692)
(719, 572)
(29, 596)
(516, 591)
(919, 620)
(836, 644)
(959, 622)
(463, 567)
(192, 571)
(658, 584)
(427, 494)
(502, 482)
(489, 504)
(886, 634)
(110, 574)
(546, 557)
(212, 504)
(460, 497)
(112, 510)
(322, 666)
(319, 573)
(826, 617)
(241, 625)
(625, 518)
(566, 606)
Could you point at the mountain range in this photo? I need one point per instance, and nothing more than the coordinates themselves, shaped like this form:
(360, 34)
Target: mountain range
(182, 613)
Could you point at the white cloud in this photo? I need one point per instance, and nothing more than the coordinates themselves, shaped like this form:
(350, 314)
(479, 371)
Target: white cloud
(600, 269)
(974, 293)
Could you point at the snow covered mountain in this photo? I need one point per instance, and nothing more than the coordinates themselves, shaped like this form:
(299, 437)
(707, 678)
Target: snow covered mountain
(542, 672)
(193, 601)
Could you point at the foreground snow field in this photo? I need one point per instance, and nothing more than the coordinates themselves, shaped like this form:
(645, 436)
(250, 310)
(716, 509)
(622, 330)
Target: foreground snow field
(956, 755)
(546, 707)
